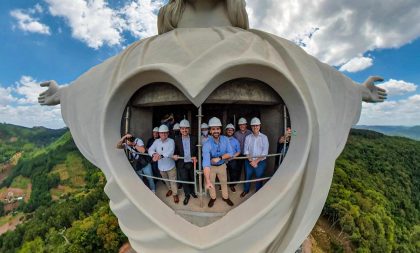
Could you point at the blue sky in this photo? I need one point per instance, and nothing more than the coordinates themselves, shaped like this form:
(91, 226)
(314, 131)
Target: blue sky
(61, 39)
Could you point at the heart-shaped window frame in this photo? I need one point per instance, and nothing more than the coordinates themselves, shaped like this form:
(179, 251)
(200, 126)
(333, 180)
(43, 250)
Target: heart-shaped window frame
(138, 209)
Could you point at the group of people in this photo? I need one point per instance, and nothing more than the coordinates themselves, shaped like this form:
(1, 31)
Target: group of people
(176, 157)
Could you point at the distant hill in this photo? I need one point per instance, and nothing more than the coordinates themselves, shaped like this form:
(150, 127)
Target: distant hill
(18, 139)
(373, 204)
(412, 132)
(38, 135)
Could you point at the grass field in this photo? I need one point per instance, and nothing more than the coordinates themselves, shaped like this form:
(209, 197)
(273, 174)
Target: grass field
(61, 169)
(72, 172)
(20, 182)
(9, 217)
(59, 191)
(72, 175)
(75, 169)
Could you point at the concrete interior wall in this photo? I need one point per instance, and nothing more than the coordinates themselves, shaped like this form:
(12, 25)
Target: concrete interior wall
(272, 121)
(141, 122)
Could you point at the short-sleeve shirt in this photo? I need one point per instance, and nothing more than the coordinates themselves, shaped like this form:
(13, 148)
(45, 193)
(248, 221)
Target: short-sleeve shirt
(213, 149)
(133, 152)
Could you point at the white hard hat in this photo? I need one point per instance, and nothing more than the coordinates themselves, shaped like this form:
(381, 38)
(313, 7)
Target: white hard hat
(184, 123)
(230, 126)
(176, 126)
(255, 121)
(215, 122)
(163, 129)
(204, 125)
(242, 121)
(156, 129)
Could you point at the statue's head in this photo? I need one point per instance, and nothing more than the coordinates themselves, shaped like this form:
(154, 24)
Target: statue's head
(171, 13)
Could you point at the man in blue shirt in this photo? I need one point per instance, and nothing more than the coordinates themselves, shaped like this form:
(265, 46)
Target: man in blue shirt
(216, 151)
(232, 165)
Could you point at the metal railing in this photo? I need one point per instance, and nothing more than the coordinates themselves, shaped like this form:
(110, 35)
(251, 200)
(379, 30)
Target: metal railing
(200, 172)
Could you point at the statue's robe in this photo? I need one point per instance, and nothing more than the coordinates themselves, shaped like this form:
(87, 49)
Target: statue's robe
(322, 102)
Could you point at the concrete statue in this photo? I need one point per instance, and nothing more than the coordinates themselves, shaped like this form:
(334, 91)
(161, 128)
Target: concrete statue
(202, 44)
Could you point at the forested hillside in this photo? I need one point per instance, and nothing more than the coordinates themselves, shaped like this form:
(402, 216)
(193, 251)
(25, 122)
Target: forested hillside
(373, 204)
(375, 194)
(17, 138)
(67, 210)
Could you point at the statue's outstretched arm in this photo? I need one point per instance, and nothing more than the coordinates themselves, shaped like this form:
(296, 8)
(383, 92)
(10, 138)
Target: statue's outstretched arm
(52, 95)
(372, 93)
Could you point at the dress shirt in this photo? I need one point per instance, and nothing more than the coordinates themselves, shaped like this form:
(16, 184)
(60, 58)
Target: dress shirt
(256, 145)
(213, 149)
(166, 149)
(187, 149)
(241, 138)
(236, 146)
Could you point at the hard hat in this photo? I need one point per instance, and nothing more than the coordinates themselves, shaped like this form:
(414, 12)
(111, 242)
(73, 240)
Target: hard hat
(242, 121)
(156, 129)
(184, 123)
(204, 125)
(230, 126)
(163, 129)
(215, 122)
(255, 121)
(176, 126)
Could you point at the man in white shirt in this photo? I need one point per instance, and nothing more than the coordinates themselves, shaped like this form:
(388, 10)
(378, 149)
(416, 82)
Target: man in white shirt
(255, 148)
(162, 151)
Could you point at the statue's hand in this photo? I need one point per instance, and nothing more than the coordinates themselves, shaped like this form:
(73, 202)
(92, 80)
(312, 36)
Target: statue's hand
(371, 92)
(51, 96)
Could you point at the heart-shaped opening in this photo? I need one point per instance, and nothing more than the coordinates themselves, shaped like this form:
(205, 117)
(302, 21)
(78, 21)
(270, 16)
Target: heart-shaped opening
(233, 101)
(145, 219)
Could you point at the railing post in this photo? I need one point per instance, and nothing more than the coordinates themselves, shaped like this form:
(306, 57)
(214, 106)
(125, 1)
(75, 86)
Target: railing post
(200, 169)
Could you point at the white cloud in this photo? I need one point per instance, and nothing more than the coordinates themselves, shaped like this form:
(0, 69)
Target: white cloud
(400, 112)
(28, 89)
(96, 23)
(357, 64)
(335, 31)
(92, 22)
(398, 87)
(30, 24)
(141, 17)
(33, 115)
(38, 8)
(19, 105)
(6, 96)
